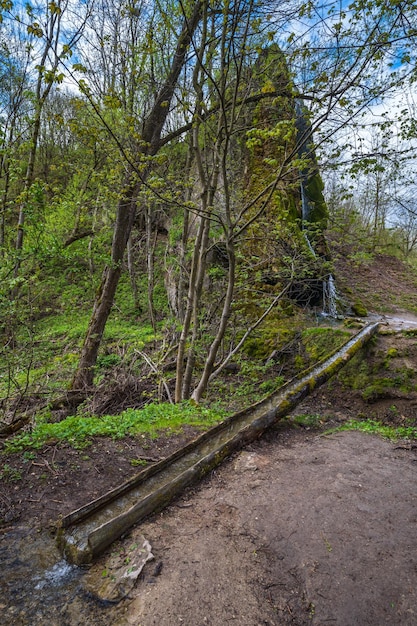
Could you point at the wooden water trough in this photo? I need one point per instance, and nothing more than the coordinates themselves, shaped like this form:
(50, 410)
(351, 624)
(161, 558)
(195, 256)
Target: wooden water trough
(88, 531)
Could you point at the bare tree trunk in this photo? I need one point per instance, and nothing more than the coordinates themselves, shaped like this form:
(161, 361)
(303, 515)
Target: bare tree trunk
(150, 249)
(227, 308)
(182, 279)
(198, 289)
(132, 272)
(105, 296)
(188, 314)
(126, 210)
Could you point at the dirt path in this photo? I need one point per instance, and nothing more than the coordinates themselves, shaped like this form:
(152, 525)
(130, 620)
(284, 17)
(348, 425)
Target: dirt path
(296, 530)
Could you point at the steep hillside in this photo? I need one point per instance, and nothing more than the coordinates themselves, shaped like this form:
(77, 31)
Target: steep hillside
(383, 283)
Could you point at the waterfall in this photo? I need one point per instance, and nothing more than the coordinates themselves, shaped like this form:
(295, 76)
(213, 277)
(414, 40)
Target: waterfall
(303, 131)
(305, 202)
(303, 137)
(308, 242)
(307, 205)
(305, 209)
(329, 297)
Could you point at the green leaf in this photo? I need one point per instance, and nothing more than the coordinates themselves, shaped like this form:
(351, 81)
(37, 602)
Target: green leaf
(79, 67)
(35, 29)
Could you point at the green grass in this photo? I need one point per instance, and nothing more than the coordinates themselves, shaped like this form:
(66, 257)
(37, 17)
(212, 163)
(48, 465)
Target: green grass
(245, 388)
(119, 329)
(374, 427)
(79, 430)
(307, 420)
(48, 359)
(10, 474)
(319, 342)
(70, 327)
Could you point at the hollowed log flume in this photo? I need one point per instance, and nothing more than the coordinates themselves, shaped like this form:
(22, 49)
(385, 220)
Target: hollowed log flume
(88, 531)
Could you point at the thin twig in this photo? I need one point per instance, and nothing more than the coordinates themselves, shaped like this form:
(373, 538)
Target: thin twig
(155, 369)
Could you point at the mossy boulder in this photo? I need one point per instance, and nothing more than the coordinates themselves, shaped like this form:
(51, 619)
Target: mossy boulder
(359, 309)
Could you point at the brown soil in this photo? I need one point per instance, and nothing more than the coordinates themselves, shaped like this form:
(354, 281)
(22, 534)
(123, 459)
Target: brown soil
(302, 527)
(298, 529)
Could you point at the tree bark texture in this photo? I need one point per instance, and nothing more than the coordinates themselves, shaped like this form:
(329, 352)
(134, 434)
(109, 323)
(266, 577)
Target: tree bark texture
(126, 212)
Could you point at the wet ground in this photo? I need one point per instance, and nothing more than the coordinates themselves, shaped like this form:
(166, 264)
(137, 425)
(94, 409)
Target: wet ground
(403, 320)
(34, 580)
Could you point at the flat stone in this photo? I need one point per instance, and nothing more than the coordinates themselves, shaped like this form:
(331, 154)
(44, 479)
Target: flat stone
(112, 580)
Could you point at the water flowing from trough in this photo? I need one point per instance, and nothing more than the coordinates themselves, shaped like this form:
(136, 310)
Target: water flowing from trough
(35, 581)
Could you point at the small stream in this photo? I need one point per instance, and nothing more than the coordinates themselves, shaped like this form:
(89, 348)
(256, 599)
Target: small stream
(39, 588)
(35, 583)
(402, 321)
